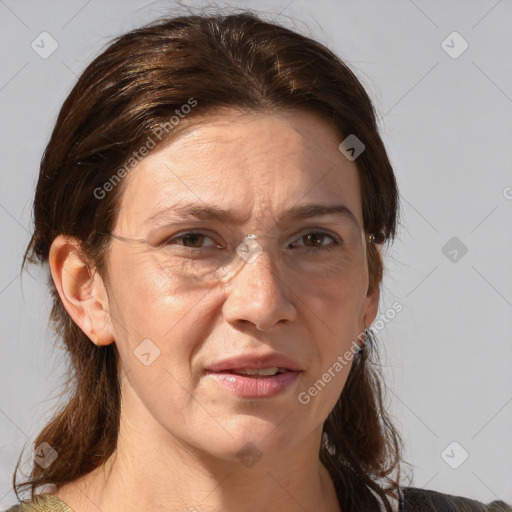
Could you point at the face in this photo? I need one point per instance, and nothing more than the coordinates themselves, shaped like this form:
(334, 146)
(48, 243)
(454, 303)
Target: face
(175, 336)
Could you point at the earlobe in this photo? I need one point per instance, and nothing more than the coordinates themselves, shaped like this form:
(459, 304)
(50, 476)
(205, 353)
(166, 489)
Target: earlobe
(81, 290)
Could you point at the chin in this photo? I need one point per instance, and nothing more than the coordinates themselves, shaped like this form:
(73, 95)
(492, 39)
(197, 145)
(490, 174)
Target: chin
(254, 439)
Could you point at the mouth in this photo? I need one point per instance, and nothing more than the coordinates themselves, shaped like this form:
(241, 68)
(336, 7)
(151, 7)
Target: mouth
(255, 382)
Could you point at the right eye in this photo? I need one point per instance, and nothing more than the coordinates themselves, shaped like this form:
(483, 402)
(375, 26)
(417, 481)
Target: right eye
(194, 238)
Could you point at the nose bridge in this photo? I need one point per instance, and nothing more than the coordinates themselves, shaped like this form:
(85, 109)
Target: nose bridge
(256, 289)
(255, 255)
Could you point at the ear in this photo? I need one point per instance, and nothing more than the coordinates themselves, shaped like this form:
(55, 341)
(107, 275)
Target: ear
(81, 290)
(370, 308)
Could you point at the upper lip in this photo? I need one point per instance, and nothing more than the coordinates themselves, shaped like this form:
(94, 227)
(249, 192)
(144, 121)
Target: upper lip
(254, 361)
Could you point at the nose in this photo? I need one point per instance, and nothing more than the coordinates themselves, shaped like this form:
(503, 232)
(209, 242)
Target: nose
(259, 295)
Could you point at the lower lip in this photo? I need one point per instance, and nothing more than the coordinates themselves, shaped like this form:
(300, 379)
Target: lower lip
(255, 387)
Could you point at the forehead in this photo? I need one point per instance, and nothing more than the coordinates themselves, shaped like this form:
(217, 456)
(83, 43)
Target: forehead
(257, 164)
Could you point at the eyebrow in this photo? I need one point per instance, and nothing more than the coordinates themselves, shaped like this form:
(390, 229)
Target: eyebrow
(183, 211)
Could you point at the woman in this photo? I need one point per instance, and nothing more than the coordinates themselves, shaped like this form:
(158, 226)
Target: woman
(211, 205)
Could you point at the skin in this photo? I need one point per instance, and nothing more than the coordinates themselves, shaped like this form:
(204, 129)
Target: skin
(180, 432)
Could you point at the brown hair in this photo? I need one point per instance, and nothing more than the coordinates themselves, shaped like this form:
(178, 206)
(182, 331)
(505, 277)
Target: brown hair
(123, 98)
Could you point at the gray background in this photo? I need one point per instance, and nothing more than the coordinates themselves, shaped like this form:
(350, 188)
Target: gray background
(447, 125)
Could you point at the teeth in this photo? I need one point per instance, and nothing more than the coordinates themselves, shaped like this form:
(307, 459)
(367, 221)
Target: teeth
(261, 371)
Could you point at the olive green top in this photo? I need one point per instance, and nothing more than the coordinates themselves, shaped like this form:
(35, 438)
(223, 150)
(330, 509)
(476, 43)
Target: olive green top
(41, 503)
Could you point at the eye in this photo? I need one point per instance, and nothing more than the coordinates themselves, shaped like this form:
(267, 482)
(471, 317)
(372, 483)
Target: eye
(316, 238)
(190, 240)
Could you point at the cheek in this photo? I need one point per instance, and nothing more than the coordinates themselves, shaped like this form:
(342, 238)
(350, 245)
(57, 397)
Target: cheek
(151, 315)
(145, 291)
(324, 384)
(156, 349)
(334, 310)
(334, 315)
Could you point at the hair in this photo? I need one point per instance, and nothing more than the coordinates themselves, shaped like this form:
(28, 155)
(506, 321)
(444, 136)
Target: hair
(123, 99)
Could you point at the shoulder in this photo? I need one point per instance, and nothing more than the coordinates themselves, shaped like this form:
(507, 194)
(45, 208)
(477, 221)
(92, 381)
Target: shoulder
(424, 500)
(41, 503)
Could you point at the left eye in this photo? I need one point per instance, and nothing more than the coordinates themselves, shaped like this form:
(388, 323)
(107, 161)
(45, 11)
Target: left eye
(315, 239)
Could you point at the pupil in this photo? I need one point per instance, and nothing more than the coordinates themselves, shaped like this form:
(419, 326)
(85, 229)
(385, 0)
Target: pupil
(195, 236)
(312, 237)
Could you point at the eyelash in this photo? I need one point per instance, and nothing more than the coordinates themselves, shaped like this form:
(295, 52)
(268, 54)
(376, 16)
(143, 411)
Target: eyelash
(321, 248)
